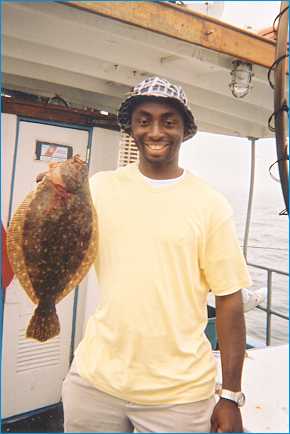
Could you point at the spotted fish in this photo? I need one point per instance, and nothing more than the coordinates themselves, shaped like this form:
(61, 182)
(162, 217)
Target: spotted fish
(52, 242)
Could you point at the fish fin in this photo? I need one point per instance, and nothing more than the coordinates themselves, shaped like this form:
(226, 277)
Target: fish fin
(44, 323)
(15, 247)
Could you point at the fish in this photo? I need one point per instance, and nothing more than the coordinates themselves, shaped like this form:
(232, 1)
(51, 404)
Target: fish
(52, 242)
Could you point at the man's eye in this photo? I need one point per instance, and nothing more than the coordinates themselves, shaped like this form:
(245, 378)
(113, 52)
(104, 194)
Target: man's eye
(143, 122)
(169, 123)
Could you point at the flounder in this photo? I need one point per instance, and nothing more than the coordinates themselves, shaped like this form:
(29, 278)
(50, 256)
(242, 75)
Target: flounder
(52, 241)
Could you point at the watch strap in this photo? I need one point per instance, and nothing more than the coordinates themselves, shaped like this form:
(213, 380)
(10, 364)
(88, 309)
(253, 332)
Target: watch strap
(237, 397)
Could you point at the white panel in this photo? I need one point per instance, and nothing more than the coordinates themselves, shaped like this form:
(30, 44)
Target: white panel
(104, 151)
(32, 354)
(8, 135)
(34, 370)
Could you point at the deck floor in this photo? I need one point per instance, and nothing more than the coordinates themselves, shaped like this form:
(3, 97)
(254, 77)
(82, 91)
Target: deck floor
(50, 420)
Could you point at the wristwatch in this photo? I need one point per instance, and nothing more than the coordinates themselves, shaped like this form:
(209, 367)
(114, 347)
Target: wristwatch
(237, 397)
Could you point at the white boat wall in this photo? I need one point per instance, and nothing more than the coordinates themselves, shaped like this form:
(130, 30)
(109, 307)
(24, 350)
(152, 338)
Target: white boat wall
(85, 56)
(38, 369)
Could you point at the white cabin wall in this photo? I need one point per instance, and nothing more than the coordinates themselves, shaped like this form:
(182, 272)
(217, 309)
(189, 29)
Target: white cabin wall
(105, 150)
(104, 156)
(8, 129)
(36, 371)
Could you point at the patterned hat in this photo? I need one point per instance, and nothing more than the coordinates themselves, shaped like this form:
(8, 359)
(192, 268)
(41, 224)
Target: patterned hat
(157, 87)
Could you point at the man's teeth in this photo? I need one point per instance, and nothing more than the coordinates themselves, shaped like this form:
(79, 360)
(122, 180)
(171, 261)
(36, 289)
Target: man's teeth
(156, 147)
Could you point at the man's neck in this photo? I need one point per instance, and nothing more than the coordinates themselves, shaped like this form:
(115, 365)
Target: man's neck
(160, 171)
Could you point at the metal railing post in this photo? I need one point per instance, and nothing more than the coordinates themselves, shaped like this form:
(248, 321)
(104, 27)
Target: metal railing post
(251, 194)
(269, 306)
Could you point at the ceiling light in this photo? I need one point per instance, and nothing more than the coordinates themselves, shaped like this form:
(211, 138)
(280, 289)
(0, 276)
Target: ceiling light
(6, 95)
(241, 78)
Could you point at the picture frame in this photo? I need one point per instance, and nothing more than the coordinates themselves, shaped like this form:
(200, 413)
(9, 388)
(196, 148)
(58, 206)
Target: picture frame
(52, 152)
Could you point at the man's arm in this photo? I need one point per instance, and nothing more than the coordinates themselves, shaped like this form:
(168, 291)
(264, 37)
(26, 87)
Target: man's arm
(230, 324)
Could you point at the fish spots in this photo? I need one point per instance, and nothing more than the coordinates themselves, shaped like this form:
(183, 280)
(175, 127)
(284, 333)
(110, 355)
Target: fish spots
(55, 244)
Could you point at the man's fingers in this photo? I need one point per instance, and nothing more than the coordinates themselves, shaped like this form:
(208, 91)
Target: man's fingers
(40, 176)
(213, 427)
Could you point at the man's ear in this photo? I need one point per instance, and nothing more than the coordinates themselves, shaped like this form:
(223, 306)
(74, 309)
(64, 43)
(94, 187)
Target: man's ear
(130, 132)
(184, 133)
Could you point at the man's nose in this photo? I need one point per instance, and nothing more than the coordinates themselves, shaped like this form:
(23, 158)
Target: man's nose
(156, 131)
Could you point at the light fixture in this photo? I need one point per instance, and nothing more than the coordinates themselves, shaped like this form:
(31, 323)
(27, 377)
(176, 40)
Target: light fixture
(6, 95)
(103, 112)
(241, 78)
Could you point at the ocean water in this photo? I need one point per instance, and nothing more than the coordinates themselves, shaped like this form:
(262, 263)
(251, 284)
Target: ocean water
(225, 163)
(268, 247)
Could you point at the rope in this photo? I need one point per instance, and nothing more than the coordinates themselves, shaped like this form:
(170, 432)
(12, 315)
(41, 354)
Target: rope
(273, 164)
(279, 16)
(283, 108)
(274, 66)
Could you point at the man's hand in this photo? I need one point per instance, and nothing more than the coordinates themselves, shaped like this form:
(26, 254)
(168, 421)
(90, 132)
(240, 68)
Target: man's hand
(53, 173)
(226, 417)
(40, 176)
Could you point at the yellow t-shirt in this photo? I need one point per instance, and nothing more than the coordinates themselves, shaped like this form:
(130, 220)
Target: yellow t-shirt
(160, 251)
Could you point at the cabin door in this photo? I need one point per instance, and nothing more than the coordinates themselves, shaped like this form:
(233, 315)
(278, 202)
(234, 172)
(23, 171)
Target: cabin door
(32, 372)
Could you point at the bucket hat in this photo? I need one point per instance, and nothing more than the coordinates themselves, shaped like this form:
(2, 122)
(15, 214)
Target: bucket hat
(162, 88)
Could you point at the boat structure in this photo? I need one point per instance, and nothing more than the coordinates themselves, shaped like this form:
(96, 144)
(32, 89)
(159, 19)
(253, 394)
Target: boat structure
(66, 67)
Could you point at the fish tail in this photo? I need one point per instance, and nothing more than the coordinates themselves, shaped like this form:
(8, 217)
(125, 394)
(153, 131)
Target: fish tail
(44, 323)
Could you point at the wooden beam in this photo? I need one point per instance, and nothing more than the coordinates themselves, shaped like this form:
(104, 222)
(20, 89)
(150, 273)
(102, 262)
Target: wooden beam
(183, 24)
(51, 112)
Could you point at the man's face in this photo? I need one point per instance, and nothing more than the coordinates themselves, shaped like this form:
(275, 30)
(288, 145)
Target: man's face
(158, 131)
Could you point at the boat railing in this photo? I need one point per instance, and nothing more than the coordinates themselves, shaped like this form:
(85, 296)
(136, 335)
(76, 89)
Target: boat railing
(268, 309)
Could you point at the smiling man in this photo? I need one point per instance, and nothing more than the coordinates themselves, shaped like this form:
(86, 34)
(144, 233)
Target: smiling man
(165, 239)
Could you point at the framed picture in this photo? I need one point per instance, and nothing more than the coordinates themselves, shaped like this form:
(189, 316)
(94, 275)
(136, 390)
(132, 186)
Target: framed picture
(52, 152)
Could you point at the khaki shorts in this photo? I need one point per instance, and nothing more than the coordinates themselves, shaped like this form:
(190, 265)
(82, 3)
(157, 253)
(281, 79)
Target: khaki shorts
(86, 409)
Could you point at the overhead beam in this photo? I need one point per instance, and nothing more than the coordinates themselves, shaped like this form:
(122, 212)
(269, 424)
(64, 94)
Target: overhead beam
(59, 113)
(185, 25)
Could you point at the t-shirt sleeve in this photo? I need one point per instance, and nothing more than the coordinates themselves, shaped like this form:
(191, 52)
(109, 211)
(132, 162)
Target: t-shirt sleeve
(94, 183)
(224, 265)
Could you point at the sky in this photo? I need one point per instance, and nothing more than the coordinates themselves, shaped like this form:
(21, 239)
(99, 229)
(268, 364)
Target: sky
(255, 14)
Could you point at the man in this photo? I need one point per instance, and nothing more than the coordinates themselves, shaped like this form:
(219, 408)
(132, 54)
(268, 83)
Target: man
(166, 239)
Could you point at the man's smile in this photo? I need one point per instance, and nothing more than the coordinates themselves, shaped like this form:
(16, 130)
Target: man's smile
(156, 146)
